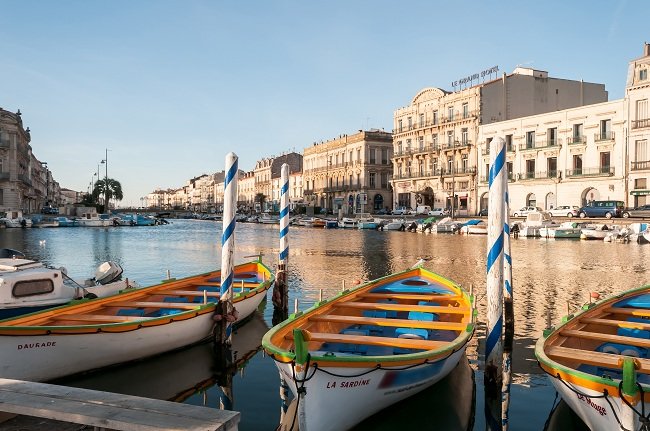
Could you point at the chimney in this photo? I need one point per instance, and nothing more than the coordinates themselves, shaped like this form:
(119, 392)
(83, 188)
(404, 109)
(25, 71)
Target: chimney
(646, 49)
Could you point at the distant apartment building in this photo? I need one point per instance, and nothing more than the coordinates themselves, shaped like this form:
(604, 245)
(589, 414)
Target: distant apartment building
(26, 184)
(294, 161)
(435, 157)
(637, 93)
(574, 156)
(246, 191)
(350, 173)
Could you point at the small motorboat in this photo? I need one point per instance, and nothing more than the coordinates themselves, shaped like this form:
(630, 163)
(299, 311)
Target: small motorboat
(395, 224)
(598, 361)
(365, 349)
(348, 223)
(446, 225)
(598, 232)
(535, 221)
(474, 227)
(29, 286)
(120, 328)
(567, 229)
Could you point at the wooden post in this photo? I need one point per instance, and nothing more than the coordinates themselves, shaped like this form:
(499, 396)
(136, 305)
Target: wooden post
(225, 311)
(280, 289)
(495, 285)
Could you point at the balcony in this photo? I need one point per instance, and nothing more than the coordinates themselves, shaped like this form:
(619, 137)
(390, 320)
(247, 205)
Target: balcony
(577, 140)
(590, 172)
(5, 144)
(4, 175)
(511, 178)
(604, 136)
(25, 179)
(538, 145)
(640, 166)
(639, 124)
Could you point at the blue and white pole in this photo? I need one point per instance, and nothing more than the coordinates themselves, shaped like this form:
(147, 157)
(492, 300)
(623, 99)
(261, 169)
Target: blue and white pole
(495, 258)
(228, 315)
(280, 291)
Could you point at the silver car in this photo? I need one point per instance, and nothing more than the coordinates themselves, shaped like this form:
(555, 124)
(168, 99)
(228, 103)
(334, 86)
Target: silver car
(565, 211)
(642, 211)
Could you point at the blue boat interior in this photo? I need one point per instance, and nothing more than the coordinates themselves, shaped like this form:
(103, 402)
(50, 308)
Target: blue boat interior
(414, 285)
(639, 301)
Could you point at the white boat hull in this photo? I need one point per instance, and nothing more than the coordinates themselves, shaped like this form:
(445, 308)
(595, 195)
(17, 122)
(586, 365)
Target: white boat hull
(594, 410)
(333, 403)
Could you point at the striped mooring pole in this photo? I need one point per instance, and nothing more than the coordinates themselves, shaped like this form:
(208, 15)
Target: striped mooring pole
(495, 282)
(280, 289)
(225, 310)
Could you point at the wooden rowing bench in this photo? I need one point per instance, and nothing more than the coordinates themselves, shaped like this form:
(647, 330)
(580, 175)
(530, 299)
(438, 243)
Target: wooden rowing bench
(146, 304)
(417, 296)
(98, 318)
(617, 323)
(354, 320)
(640, 312)
(407, 343)
(607, 360)
(190, 293)
(403, 307)
(620, 339)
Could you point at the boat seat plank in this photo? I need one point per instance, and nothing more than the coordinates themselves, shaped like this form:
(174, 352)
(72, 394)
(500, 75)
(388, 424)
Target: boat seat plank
(402, 307)
(452, 326)
(146, 304)
(407, 343)
(420, 297)
(97, 318)
(628, 311)
(218, 284)
(190, 293)
(618, 323)
(599, 359)
(640, 342)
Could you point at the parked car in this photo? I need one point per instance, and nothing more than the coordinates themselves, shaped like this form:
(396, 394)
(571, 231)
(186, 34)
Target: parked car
(523, 212)
(49, 210)
(565, 211)
(483, 212)
(381, 211)
(642, 211)
(606, 209)
(439, 212)
(401, 211)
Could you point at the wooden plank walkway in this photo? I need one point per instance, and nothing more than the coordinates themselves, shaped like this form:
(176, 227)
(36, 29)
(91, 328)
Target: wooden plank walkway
(107, 410)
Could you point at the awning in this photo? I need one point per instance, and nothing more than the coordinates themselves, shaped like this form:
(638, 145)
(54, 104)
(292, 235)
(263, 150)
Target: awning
(640, 192)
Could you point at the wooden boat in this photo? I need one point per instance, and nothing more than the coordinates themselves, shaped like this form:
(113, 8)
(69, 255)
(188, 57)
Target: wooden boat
(597, 356)
(370, 347)
(124, 327)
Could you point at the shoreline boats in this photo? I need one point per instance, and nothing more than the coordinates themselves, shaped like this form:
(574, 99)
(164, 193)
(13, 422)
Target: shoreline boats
(597, 231)
(474, 227)
(598, 361)
(446, 225)
(370, 347)
(125, 327)
(567, 229)
(348, 223)
(535, 221)
(14, 219)
(29, 286)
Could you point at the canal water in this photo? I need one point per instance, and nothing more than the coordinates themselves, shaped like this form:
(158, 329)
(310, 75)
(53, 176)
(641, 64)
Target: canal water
(550, 278)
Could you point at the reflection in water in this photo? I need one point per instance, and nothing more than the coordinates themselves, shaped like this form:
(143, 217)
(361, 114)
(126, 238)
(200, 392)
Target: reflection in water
(548, 275)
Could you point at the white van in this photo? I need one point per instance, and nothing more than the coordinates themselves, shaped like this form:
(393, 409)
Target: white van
(423, 209)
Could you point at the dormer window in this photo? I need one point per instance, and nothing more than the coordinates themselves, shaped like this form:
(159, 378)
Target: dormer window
(643, 74)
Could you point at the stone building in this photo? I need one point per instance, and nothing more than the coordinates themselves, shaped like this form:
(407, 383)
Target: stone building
(577, 155)
(434, 137)
(350, 173)
(26, 184)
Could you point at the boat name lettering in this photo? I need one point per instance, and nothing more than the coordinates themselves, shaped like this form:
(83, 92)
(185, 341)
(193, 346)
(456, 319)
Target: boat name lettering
(599, 409)
(353, 384)
(36, 345)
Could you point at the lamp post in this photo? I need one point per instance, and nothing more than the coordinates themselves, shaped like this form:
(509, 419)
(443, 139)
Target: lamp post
(105, 163)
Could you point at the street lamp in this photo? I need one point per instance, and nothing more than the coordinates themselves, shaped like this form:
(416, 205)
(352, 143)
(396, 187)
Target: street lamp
(105, 163)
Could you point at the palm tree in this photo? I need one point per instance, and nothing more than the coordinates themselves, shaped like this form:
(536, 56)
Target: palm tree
(114, 190)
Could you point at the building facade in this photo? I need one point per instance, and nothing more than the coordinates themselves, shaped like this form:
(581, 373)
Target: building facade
(574, 156)
(435, 137)
(349, 173)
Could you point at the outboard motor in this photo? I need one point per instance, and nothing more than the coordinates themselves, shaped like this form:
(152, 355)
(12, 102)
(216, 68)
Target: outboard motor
(108, 272)
(412, 227)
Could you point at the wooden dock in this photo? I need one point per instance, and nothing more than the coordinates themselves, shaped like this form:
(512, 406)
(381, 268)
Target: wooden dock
(105, 410)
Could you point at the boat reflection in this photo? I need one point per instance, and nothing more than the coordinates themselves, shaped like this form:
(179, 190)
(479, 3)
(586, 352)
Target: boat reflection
(452, 401)
(178, 375)
(563, 418)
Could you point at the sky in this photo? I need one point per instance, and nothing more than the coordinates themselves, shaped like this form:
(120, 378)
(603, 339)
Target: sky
(170, 87)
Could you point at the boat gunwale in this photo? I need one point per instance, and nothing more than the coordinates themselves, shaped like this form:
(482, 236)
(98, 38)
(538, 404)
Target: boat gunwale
(577, 377)
(288, 356)
(91, 305)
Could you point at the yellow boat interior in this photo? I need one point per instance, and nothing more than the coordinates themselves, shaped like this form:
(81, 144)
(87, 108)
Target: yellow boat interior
(404, 313)
(168, 299)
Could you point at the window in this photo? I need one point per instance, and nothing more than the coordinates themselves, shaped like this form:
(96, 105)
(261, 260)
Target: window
(434, 165)
(421, 167)
(2, 197)
(509, 169)
(372, 156)
(351, 153)
(641, 150)
(577, 164)
(450, 113)
(641, 114)
(434, 140)
(371, 179)
(32, 287)
(606, 130)
(450, 139)
(421, 143)
(384, 180)
(551, 137)
(350, 180)
(509, 143)
(530, 168)
(410, 121)
(435, 117)
(399, 125)
(551, 167)
(530, 139)
(465, 110)
(408, 145)
(384, 156)
(359, 154)
(465, 136)
(487, 171)
(399, 148)
(450, 166)
(577, 133)
(421, 120)
(604, 162)
(643, 74)
(465, 163)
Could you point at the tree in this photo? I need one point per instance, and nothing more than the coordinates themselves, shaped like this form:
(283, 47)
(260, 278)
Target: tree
(114, 190)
